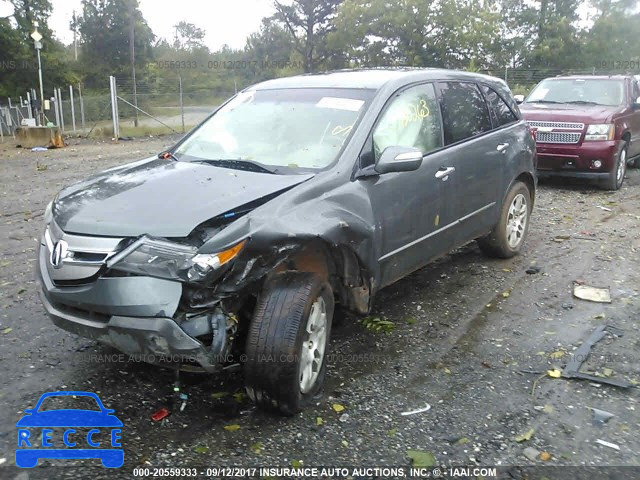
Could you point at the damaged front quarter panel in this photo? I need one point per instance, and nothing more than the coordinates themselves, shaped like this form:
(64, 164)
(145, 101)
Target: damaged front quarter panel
(306, 229)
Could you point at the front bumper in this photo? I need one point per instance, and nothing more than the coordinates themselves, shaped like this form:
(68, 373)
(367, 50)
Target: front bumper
(132, 314)
(576, 161)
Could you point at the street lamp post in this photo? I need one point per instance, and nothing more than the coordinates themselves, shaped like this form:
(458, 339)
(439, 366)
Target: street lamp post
(37, 37)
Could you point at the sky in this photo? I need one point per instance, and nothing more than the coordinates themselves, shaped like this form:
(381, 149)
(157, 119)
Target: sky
(224, 21)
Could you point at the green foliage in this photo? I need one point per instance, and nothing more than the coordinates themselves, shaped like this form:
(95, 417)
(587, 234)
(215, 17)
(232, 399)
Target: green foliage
(377, 324)
(105, 29)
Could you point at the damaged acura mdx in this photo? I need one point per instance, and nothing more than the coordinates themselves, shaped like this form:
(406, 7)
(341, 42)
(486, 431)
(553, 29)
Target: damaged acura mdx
(297, 194)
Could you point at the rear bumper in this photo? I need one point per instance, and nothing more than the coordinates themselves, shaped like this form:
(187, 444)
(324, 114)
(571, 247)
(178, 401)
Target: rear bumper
(577, 160)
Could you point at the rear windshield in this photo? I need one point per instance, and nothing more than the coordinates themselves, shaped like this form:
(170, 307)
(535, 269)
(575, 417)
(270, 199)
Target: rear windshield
(580, 91)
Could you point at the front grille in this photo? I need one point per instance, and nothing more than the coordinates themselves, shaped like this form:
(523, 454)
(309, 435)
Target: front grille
(557, 137)
(562, 125)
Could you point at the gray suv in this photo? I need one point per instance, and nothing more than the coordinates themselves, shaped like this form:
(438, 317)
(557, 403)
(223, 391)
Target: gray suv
(297, 194)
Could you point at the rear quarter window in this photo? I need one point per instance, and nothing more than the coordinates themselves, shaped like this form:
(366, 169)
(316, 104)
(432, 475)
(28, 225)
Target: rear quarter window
(502, 114)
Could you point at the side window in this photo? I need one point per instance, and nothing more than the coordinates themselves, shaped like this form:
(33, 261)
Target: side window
(464, 111)
(410, 120)
(502, 113)
(636, 93)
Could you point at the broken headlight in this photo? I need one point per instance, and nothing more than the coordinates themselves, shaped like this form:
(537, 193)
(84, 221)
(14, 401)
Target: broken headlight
(170, 260)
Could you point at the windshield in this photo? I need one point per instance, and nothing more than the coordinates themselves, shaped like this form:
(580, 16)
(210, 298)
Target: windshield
(580, 91)
(292, 128)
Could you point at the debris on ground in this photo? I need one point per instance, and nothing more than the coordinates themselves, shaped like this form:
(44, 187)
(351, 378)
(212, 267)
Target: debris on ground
(533, 270)
(531, 453)
(39, 149)
(608, 444)
(232, 428)
(160, 414)
(600, 417)
(184, 397)
(419, 410)
(555, 373)
(592, 294)
(572, 369)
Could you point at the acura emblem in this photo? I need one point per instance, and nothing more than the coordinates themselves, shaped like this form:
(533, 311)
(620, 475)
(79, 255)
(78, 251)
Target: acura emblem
(59, 253)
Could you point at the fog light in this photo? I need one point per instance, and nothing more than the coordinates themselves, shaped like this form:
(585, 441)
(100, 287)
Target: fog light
(597, 164)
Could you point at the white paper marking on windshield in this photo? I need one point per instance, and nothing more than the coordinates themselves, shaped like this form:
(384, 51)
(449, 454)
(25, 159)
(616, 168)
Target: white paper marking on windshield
(340, 103)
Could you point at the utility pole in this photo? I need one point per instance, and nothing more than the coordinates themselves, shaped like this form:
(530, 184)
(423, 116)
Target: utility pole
(132, 38)
(37, 37)
(75, 35)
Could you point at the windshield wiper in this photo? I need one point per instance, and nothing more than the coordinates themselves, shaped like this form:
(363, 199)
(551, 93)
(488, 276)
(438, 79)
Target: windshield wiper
(583, 102)
(542, 101)
(239, 164)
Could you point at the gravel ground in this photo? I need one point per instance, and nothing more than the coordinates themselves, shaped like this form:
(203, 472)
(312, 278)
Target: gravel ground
(465, 329)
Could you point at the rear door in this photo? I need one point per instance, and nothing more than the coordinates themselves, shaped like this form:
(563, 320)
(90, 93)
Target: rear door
(476, 152)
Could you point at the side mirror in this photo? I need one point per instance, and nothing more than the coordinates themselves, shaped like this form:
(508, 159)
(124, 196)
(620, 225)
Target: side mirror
(399, 159)
(519, 99)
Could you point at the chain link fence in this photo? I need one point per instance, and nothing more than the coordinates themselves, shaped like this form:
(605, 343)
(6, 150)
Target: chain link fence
(160, 105)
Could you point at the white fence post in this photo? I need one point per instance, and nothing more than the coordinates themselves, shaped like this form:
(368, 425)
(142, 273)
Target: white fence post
(61, 111)
(73, 109)
(114, 108)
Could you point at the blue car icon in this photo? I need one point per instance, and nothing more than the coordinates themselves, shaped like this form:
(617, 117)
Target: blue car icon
(28, 456)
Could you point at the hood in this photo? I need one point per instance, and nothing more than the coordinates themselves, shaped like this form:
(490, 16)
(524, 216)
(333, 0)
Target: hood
(586, 114)
(161, 198)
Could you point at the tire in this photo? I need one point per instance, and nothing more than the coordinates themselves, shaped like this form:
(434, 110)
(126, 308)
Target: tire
(508, 236)
(278, 342)
(616, 176)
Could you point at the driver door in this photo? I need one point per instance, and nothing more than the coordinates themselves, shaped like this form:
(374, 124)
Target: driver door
(412, 210)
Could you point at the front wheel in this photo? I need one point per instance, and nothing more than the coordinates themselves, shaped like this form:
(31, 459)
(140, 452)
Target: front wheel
(616, 176)
(287, 342)
(507, 237)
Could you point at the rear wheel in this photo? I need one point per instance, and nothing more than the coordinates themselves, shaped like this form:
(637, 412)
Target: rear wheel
(507, 237)
(287, 342)
(616, 176)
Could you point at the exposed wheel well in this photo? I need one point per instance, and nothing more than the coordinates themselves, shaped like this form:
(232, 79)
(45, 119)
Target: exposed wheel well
(337, 265)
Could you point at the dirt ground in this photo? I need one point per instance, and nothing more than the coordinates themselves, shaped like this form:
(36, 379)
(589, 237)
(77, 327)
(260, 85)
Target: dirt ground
(473, 339)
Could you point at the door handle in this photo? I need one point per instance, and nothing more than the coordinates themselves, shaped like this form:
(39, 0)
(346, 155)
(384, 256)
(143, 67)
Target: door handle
(502, 147)
(444, 172)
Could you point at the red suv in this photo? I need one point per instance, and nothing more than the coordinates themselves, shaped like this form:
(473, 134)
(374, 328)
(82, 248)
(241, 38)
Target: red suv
(586, 127)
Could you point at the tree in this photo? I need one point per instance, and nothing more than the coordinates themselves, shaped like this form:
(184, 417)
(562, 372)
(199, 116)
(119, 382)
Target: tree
(309, 22)
(434, 33)
(188, 36)
(104, 27)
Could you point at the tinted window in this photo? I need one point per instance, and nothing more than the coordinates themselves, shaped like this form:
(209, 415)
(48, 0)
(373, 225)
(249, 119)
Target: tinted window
(501, 111)
(410, 120)
(464, 111)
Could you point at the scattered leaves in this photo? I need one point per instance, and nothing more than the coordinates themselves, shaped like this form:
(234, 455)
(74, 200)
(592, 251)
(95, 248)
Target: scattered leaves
(345, 444)
(319, 421)
(556, 355)
(377, 324)
(607, 372)
(338, 408)
(7, 330)
(463, 441)
(257, 448)
(201, 449)
(219, 395)
(296, 463)
(555, 373)
(392, 433)
(421, 459)
(525, 436)
(547, 409)
(239, 397)
(411, 320)
(447, 371)
(545, 456)
(506, 294)
(232, 428)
